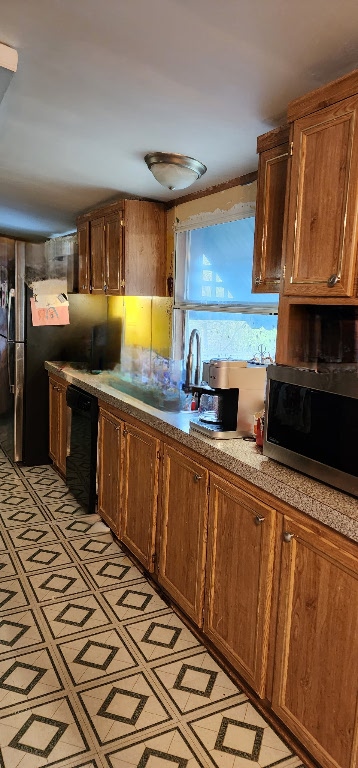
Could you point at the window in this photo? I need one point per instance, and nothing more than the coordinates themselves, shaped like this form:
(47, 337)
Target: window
(213, 293)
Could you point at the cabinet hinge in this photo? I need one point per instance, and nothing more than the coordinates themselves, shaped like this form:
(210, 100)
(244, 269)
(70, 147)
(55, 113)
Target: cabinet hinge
(122, 222)
(284, 270)
(291, 149)
(159, 455)
(123, 284)
(154, 558)
(208, 490)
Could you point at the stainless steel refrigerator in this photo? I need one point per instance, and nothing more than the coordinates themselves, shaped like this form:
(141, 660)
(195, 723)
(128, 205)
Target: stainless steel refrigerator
(24, 348)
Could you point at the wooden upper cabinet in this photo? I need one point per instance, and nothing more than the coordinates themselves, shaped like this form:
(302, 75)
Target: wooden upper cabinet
(127, 245)
(184, 516)
(316, 671)
(144, 248)
(83, 231)
(272, 148)
(140, 494)
(113, 255)
(109, 468)
(97, 233)
(321, 228)
(240, 561)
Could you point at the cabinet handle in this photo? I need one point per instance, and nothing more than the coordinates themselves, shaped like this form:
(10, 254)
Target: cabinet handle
(105, 287)
(333, 280)
(83, 287)
(259, 519)
(197, 478)
(287, 537)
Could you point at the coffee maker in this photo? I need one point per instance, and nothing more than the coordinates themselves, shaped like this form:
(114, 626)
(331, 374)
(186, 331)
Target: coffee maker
(232, 392)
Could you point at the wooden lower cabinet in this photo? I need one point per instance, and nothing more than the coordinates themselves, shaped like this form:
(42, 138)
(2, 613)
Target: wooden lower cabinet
(316, 670)
(241, 535)
(58, 416)
(184, 513)
(140, 493)
(109, 468)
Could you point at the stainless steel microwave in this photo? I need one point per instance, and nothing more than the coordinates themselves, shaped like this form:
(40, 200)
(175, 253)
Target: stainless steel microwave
(311, 423)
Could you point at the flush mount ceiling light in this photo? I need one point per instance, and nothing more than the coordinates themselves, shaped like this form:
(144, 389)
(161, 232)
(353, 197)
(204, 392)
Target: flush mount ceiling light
(174, 171)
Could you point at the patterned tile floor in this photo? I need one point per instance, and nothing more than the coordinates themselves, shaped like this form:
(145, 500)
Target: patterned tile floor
(95, 670)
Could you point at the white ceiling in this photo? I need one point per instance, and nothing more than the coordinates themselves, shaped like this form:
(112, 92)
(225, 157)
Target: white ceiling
(101, 83)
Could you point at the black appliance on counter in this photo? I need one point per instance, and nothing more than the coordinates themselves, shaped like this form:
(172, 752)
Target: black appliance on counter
(81, 462)
(311, 423)
(24, 421)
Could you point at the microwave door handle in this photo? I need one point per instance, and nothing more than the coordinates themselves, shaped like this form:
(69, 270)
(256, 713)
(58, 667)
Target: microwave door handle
(10, 308)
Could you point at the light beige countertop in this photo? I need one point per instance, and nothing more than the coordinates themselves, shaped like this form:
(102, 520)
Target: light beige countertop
(334, 508)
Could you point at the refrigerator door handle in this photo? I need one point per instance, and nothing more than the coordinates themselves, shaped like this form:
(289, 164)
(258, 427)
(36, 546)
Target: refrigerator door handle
(19, 399)
(10, 308)
(11, 366)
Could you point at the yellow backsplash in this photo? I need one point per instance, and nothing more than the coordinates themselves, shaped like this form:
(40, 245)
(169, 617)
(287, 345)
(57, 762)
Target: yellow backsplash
(146, 321)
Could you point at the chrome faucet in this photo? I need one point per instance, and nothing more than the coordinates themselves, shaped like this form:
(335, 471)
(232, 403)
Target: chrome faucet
(189, 362)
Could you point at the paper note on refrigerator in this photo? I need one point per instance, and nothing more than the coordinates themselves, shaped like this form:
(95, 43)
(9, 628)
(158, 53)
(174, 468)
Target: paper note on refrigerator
(49, 315)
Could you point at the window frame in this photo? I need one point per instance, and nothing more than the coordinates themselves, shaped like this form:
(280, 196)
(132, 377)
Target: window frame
(181, 245)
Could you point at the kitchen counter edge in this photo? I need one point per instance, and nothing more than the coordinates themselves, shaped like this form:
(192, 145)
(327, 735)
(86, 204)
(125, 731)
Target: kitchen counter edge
(331, 507)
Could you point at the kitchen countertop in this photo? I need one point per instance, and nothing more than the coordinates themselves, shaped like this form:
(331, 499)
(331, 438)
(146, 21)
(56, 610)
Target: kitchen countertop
(334, 508)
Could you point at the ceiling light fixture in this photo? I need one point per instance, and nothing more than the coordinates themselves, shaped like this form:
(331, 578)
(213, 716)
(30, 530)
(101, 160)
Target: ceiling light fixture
(174, 171)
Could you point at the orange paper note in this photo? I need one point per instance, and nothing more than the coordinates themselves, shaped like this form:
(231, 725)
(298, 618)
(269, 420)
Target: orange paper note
(49, 315)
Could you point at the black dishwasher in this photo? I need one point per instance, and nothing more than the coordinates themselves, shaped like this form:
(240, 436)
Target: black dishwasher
(81, 462)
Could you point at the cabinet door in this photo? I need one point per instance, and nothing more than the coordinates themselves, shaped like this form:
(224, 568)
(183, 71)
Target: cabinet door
(83, 257)
(183, 535)
(97, 255)
(58, 424)
(239, 579)
(54, 419)
(270, 204)
(316, 670)
(113, 253)
(109, 468)
(144, 249)
(63, 430)
(321, 237)
(140, 494)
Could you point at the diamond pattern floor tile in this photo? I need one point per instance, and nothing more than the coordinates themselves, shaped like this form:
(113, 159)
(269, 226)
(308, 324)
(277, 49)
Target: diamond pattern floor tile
(195, 682)
(43, 556)
(124, 706)
(12, 518)
(74, 615)
(96, 656)
(19, 630)
(238, 734)
(112, 571)
(12, 595)
(27, 676)
(134, 600)
(98, 546)
(31, 534)
(60, 583)
(42, 735)
(7, 567)
(162, 636)
(169, 750)
(87, 525)
(61, 509)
